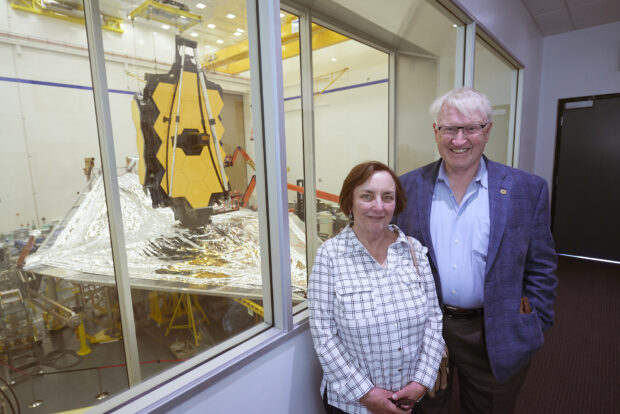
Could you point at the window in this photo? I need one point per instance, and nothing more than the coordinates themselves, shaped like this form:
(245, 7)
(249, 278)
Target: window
(191, 199)
(427, 69)
(58, 306)
(497, 78)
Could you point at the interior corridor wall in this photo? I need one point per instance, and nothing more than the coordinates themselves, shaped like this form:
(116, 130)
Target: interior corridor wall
(579, 63)
(284, 380)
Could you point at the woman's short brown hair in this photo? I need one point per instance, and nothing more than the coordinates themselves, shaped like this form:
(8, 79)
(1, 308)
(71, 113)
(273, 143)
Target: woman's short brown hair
(358, 175)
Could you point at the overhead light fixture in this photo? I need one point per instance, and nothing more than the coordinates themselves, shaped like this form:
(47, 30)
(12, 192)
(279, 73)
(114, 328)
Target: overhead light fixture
(281, 15)
(194, 34)
(230, 16)
(211, 26)
(240, 30)
(220, 41)
(183, 17)
(334, 59)
(165, 26)
(455, 26)
(200, 5)
(237, 34)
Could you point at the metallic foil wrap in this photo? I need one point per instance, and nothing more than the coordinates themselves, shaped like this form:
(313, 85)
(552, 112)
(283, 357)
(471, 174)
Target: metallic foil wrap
(223, 253)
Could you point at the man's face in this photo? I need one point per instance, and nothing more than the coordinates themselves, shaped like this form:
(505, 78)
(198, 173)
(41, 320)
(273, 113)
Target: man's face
(461, 153)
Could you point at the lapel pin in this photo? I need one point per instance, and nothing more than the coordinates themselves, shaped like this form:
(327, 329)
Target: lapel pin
(503, 191)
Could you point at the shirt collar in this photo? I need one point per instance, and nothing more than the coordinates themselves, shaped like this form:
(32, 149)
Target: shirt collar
(353, 244)
(482, 175)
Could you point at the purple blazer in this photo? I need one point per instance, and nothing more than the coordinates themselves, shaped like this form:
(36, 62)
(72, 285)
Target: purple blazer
(521, 260)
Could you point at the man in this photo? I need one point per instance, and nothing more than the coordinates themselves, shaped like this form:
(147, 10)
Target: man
(486, 226)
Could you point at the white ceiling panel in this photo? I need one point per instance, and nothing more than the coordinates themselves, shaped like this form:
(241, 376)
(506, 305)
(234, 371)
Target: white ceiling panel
(559, 16)
(593, 14)
(555, 22)
(536, 7)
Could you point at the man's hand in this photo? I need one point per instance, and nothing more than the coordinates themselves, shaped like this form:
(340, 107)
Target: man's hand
(409, 395)
(442, 376)
(377, 400)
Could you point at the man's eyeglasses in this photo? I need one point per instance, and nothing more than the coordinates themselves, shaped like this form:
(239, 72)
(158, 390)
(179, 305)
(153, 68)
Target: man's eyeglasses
(468, 130)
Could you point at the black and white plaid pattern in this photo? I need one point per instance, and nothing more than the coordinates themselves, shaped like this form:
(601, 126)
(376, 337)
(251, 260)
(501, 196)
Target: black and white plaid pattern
(373, 325)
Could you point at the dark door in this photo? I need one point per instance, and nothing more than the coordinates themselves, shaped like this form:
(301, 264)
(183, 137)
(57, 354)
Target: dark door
(586, 193)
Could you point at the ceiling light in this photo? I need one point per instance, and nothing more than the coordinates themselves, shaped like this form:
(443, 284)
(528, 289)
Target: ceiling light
(200, 5)
(454, 25)
(211, 26)
(230, 16)
(281, 15)
(220, 41)
(237, 34)
(194, 34)
(240, 30)
(334, 59)
(165, 26)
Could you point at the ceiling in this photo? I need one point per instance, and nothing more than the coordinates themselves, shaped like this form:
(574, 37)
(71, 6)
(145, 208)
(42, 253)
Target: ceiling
(560, 16)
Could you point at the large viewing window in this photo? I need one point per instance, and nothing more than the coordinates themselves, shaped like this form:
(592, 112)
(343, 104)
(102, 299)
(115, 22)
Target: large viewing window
(180, 93)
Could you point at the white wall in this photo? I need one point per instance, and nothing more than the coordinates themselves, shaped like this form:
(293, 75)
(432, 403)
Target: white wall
(284, 380)
(579, 63)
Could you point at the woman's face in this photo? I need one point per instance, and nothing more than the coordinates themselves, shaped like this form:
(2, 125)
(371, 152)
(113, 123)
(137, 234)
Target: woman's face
(373, 202)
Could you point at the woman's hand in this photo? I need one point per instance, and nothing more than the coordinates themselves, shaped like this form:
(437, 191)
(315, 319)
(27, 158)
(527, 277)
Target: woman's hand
(409, 395)
(378, 401)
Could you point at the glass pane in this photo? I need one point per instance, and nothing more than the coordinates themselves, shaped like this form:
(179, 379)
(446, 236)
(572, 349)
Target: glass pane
(185, 149)
(57, 310)
(350, 116)
(423, 75)
(496, 78)
(425, 36)
(291, 74)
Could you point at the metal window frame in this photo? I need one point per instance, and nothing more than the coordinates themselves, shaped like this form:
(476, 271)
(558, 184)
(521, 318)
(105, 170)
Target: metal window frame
(111, 188)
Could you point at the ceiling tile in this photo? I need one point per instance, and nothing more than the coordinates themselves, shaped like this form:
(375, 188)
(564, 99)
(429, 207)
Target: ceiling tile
(537, 7)
(595, 13)
(555, 22)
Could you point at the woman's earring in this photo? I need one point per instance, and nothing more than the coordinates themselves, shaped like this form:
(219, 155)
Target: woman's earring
(351, 216)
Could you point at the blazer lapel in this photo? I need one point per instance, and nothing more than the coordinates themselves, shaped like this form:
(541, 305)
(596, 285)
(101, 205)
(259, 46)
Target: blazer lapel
(500, 186)
(425, 199)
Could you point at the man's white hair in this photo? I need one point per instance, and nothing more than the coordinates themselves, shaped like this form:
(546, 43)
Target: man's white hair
(467, 101)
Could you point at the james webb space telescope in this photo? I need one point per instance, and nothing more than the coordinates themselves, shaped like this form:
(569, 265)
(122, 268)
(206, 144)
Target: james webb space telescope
(181, 165)
(179, 129)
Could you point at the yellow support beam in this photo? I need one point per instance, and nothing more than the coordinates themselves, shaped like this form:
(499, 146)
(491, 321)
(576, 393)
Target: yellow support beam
(235, 59)
(165, 13)
(110, 23)
(252, 306)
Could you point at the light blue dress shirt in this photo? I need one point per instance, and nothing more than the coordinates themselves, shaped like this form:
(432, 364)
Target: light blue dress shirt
(460, 235)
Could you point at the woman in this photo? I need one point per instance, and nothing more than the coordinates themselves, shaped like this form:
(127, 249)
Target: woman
(374, 316)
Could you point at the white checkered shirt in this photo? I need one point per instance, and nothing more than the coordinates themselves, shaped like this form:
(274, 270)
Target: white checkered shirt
(373, 325)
